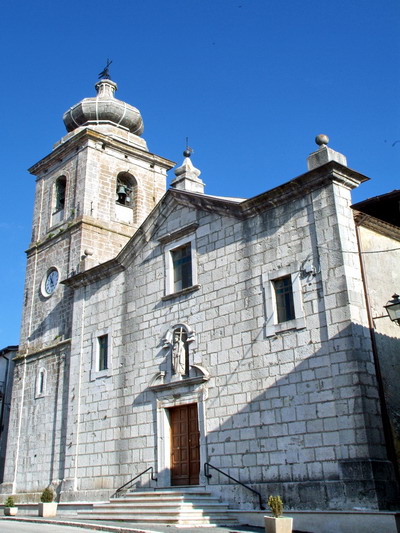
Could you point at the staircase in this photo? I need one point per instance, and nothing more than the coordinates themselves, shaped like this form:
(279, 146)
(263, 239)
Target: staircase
(181, 506)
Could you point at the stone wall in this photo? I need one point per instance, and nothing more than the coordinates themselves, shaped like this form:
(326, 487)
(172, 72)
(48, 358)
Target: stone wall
(294, 412)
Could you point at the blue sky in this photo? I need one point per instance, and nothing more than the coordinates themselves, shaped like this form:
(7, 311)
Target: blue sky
(250, 82)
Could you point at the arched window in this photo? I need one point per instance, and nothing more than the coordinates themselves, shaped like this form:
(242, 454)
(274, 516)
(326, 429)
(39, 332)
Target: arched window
(60, 189)
(125, 190)
(180, 351)
(59, 194)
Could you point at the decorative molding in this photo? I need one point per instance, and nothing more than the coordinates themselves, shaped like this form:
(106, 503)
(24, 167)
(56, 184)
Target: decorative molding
(203, 370)
(159, 376)
(187, 382)
(70, 143)
(178, 234)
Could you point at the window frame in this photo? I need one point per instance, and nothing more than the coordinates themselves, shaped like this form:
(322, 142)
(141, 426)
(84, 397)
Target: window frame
(272, 325)
(169, 265)
(102, 348)
(284, 300)
(41, 383)
(96, 372)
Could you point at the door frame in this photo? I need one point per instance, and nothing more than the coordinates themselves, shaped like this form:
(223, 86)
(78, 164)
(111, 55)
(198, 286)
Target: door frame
(164, 434)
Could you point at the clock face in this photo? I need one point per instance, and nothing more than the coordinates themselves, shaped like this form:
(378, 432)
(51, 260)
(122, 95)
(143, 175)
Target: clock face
(51, 281)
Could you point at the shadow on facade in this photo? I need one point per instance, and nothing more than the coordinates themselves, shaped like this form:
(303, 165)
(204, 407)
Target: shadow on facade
(313, 436)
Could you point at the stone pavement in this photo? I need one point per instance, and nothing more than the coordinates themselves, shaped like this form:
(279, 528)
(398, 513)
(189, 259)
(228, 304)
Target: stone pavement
(133, 527)
(130, 527)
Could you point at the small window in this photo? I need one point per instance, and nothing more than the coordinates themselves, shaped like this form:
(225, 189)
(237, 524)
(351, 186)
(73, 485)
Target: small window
(41, 383)
(61, 186)
(182, 267)
(180, 352)
(284, 299)
(103, 352)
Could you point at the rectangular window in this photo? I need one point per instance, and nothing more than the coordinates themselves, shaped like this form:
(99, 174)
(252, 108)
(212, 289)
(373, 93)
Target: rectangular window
(182, 267)
(103, 352)
(284, 299)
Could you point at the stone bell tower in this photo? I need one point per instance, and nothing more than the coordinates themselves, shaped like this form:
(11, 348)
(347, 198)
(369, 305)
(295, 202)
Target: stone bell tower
(93, 191)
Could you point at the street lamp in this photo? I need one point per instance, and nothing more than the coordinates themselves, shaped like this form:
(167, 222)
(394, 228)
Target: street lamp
(393, 309)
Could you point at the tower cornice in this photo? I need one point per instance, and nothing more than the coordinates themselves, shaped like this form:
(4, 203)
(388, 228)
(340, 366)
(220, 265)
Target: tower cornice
(65, 149)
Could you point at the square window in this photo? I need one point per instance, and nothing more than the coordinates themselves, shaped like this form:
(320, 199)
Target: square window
(103, 352)
(284, 299)
(182, 267)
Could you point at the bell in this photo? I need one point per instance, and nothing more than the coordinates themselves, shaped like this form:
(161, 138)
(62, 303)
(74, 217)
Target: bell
(121, 189)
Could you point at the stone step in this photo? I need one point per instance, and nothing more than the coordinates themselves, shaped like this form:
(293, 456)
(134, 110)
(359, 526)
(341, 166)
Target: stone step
(160, 518)
(194, 507)
(164, 492)
(161, 504)
(162, 498)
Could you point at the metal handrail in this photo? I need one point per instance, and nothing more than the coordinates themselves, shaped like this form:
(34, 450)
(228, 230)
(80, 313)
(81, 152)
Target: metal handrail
(207, 467)
(117, 493)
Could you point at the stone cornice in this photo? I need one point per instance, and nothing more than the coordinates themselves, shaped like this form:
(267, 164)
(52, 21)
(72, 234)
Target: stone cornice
(94, 274)
(287, 192)
(42, 351)
(207, 203)
(303, 184)
(175, 235)
(296, 188)
(375, 224)
(63, 150)
(61, 230)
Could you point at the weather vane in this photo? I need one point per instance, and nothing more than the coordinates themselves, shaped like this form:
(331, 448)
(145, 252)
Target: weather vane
(105, 74)
(189, 151)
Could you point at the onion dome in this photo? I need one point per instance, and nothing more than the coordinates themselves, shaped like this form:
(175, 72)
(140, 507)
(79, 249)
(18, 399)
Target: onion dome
(104, 109)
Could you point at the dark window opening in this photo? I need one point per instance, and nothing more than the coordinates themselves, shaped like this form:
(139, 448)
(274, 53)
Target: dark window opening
(61, 186)
(182, 266)
(124, 191)
(103, 352)
(284, 299)
(41, 382)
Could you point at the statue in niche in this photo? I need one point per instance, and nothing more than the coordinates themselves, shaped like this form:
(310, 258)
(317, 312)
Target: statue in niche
(179, 352)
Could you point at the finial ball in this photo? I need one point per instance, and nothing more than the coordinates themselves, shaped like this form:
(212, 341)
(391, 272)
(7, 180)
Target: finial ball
(187, 153)
(321, 139)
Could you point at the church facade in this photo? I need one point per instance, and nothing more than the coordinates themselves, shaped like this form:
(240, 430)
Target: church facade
(175, 329)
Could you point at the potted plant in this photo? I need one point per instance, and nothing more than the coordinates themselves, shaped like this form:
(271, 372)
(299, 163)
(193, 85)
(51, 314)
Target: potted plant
(277, 523)
(47, 507)
(9, 507)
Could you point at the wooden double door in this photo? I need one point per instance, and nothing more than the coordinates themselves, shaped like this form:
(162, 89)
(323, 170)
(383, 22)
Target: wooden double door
(185, 448)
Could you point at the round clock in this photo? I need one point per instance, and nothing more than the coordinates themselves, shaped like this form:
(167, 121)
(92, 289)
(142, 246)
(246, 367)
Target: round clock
(50, 282)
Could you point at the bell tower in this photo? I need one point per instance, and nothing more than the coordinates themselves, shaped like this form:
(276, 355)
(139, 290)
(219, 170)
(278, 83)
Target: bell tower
(92, 193)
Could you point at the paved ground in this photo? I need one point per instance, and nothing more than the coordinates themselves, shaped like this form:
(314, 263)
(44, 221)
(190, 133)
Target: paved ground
(26, 524)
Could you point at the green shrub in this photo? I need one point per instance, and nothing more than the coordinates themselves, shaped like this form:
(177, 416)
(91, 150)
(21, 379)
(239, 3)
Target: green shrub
(276, 505)
(47, 496)
(9, 502)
